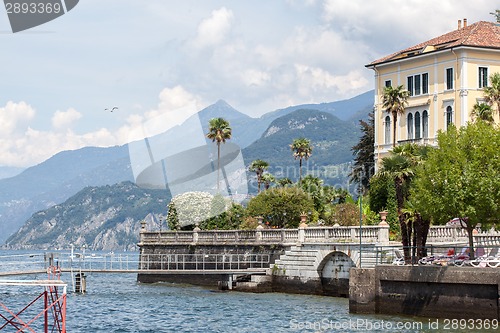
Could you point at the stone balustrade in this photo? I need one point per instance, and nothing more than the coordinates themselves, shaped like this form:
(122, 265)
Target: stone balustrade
(444, 234)
(338, 234)
(378, 234)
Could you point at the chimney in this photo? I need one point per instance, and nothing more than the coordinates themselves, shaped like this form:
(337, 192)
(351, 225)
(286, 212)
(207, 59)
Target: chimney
(465, 22)
(459, 24)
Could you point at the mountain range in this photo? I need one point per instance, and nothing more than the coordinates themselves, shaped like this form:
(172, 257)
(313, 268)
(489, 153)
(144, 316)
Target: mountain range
(332, 128)
(105, 218)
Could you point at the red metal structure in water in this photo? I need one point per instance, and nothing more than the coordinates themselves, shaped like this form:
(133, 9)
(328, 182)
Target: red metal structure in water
(52, 317)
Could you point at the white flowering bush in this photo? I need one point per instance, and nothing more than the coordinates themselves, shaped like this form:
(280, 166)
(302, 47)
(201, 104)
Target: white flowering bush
(190, 208)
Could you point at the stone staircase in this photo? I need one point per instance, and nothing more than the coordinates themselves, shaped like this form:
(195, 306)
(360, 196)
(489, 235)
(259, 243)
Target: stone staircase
(368, 259)
(296, 261)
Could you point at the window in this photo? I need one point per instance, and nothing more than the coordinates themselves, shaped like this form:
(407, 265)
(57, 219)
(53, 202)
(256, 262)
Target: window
(449, 78)
(409, 125)
(387, 124)
(388, 83)
(417, 125)
(425, 124)
(483, 77)
(449, 116)
(410, 85)
(425, 83)
(418, 84)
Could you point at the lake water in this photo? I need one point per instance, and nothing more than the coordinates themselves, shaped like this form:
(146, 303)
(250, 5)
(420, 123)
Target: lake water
(117, 303)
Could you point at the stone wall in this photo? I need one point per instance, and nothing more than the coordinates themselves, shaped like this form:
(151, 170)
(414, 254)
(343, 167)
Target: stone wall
(154, 258)
(438, 292)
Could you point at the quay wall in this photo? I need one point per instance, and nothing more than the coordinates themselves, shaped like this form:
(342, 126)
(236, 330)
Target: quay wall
(427, 291)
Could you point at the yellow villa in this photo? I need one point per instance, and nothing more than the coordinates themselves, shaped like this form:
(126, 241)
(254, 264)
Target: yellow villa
(445, 77)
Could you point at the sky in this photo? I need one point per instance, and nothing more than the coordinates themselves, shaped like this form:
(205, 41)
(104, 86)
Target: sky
(163, 59)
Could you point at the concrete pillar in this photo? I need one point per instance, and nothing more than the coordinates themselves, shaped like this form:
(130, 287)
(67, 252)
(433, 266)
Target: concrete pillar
(353, 233)
(258, 232)
(302, 226)
(142, 231)
(362, 290)
(383, 233)
(302, 235)
(195, 233)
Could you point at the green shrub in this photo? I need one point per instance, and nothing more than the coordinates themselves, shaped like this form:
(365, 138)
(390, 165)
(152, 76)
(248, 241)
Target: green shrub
(281, 207)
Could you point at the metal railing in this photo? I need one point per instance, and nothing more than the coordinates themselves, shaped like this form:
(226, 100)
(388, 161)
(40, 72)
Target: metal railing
(39, 262)
(204, 262)
(451, 254)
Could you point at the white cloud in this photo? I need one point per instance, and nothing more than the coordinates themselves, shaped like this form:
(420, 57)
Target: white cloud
(22, 145)
(316, 81)
(177, 104)
(213, 30)
(396, 24)
(14, 116)
(297, 3)
(64, 119)
(254, 77)
(35, 146)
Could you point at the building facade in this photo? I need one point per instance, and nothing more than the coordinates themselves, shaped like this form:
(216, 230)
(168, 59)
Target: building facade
(445, 77)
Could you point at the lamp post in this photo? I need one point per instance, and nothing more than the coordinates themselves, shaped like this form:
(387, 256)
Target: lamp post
(360, 220)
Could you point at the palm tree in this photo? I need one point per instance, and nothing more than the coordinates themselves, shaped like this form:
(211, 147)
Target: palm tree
(284, 182)
(267, 178)
(496, 13)
(492, 93)
(218, 131)
(302, 149)
(258, 166)
(400, 167)
(482, 111)
(364, 150)
(394, 102)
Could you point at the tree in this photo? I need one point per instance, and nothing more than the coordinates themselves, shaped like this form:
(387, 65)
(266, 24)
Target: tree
(172, 217)
(230, 219)
(492, 93)
(345, 214)
(284, 182)
(268, 178)
(314, 187)
(301, 149)
(189, 208)
(496, 13)
(394, 101)
(461, 178)
(400, 167)
(482, 111)
(281, 207)
(218, 131)
(364, 151)
(259, 166)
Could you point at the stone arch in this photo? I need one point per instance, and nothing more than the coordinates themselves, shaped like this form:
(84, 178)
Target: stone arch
(333, 271)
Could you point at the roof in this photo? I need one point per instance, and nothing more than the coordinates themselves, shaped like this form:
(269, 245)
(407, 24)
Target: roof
(480, 34)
